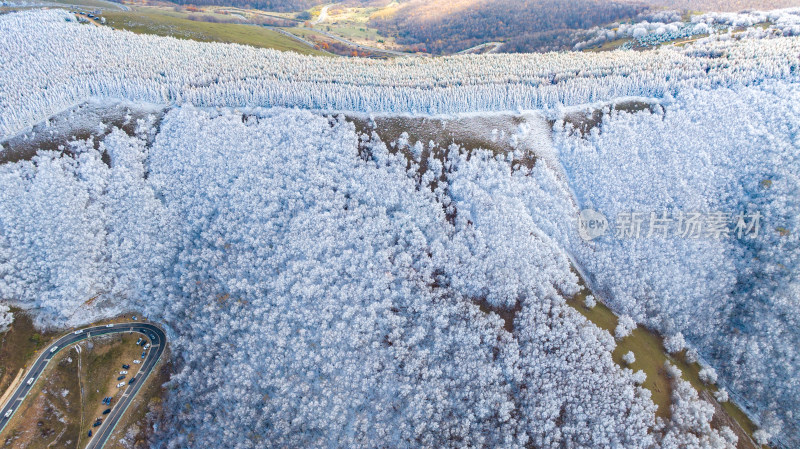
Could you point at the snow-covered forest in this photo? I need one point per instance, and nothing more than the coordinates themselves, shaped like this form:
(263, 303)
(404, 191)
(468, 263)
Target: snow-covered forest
(322, 287)
(50, 64)
(734, 298)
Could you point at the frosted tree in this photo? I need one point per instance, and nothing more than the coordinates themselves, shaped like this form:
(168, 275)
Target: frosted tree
(668, 282)
(690, 422)
(761, 436)
(708, 375)
(625, 326)
(629, 357)
(692, 356)
(6, 318)
(674, 343)
(65, 63)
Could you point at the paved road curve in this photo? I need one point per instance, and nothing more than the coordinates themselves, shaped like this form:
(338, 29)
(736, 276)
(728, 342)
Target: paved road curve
(157, 340)
(365, 47)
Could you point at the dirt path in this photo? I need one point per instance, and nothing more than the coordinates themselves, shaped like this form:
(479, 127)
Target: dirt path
(12, 387)
(323, 14)
(80, 391)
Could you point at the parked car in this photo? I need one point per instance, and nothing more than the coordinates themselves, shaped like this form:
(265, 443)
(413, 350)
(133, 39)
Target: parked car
(107, 411)
(123, 372)
(90, 433)
(120, 377)
(137, 362)
(121, 384)
(126, 366)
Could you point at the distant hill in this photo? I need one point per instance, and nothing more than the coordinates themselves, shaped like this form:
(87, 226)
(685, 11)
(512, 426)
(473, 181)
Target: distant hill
(278, 5)
(445, 26)
(268, 5)
(448, 26)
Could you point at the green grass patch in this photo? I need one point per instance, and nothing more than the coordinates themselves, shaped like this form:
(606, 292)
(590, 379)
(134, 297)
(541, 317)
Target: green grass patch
(645, 345)
(354, 32)
(648, 347)
(167, 23)
(352, 22)
(305, 32)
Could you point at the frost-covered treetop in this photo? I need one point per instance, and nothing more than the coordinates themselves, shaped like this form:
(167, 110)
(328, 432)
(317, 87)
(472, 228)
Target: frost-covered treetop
(50, 62)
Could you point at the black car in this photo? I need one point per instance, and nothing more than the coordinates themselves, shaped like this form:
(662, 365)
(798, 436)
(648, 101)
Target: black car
(120, 377)
(90, 433)
(97, 423)
(107, 411)
(133, 379)
(126, 366)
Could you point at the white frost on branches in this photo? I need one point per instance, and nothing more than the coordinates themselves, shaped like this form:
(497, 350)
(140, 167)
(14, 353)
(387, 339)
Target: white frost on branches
(629, 357)
(357, 303)
(674, 343)
(625, 326)
(51, 62)
(6, 318)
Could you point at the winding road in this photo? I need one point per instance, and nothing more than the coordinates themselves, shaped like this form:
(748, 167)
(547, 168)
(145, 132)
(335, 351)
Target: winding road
(157, 340)
(323, 14)
(496, 46)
